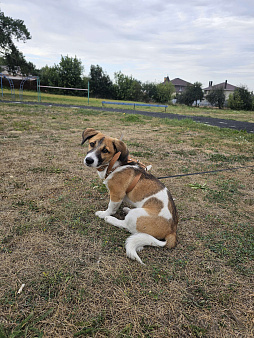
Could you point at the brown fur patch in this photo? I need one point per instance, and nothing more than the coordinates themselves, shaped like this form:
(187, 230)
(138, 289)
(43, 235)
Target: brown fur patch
(173, 211)
(146, 186)
(119, 183)
(153, 206)
(171, 240)
(156, 226)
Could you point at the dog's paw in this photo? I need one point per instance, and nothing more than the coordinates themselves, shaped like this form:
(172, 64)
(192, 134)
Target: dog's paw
(101, 214)
(126, 210)
(109, 219)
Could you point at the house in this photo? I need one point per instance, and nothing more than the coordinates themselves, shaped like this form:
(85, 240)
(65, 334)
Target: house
(179, 84)
(228, 88)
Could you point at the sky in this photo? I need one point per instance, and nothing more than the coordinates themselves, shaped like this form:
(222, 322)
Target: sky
(195, 40)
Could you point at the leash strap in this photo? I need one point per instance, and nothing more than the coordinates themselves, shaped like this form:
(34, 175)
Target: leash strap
(205, 172)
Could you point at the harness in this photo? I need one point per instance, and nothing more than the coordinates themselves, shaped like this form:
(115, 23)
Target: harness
(110, 170)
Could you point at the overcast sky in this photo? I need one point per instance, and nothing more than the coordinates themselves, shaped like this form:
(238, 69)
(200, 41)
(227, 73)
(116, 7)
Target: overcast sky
(195, 40)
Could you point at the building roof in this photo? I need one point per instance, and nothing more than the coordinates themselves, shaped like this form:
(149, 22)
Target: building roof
(225, 85)
(179, 82)
(18, 76)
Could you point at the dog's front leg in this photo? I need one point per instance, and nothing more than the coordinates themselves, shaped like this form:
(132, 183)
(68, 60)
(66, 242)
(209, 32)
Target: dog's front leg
(112, 209)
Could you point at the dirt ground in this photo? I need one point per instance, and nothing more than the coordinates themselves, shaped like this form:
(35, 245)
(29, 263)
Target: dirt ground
(77, 278)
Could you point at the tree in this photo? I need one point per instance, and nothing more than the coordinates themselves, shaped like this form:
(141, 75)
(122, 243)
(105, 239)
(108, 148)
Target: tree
(149, 91)
(70, 72)
(67, 74)
(241, 99)
(122, 85)
(186, 97)
(192, 94)
(164, 92)
(49, 76)
(100, 83)
(13, 29)
(216, 97)
(136, 91)
(128, 88)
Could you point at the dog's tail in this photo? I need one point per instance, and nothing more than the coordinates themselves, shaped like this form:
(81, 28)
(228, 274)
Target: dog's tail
(136, 243)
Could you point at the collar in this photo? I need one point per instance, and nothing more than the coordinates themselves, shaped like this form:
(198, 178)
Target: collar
(110, 170)
(110, 165)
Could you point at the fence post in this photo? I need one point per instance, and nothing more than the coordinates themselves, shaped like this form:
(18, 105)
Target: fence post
(88, 92)
(38, 89)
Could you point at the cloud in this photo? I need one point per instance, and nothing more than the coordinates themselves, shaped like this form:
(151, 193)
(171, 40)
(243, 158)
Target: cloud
(148, 39)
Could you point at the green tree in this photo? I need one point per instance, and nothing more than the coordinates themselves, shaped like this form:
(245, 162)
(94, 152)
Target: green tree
(136, 91)
(123, 84)
(197, 92)
(241, 99)
(164, 92)
(49, 76)
(128, 88)
(68, 73)
(149, 91)
(11, 29)
(192, 94)
(186, 97)
(100, 83)
(216, 97)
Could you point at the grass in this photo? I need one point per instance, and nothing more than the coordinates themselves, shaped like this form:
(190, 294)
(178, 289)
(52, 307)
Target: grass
(32, 96)
(78, 280)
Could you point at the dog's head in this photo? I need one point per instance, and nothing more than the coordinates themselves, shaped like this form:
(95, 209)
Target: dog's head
(102, 148)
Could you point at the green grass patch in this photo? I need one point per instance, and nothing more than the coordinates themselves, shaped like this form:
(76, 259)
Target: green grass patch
(235, 245)
(32, 96)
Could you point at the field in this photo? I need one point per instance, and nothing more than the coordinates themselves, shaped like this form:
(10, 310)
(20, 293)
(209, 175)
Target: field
(247, 116)
(77, 279)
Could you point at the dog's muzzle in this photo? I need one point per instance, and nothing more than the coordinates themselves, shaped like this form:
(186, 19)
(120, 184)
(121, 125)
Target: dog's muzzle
(89, 161)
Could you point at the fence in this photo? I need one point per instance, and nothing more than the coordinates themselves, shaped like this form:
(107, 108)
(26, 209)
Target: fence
(135, 104)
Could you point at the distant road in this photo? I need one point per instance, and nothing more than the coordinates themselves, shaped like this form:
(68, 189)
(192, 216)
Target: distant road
(222, 123)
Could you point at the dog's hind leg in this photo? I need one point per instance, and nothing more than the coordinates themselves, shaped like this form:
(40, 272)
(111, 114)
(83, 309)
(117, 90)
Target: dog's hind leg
(129, 223)
(116, 222)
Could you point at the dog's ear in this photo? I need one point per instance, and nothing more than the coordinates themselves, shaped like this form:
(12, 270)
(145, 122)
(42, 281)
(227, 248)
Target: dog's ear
(120, 146)
(88, 133)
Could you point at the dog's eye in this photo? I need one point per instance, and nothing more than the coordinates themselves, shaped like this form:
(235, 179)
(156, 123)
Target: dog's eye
(92, 144)
(105, 150)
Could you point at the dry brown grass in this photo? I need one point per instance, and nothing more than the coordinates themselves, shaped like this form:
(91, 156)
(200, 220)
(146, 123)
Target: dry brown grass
(78, 280)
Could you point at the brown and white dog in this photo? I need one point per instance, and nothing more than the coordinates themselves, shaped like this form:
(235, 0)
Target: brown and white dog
(154, 219)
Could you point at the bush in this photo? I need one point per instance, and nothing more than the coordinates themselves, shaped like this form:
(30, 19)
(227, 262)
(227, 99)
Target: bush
(191, 94)
(164, 92)
(216, 97)
(241, 99)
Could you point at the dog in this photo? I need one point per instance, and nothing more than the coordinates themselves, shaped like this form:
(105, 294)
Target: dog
(154, 219)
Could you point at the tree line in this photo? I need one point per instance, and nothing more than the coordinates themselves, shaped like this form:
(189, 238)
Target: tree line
(69, 74)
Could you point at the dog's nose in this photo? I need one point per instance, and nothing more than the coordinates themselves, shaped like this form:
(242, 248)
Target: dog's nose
(89, 160)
